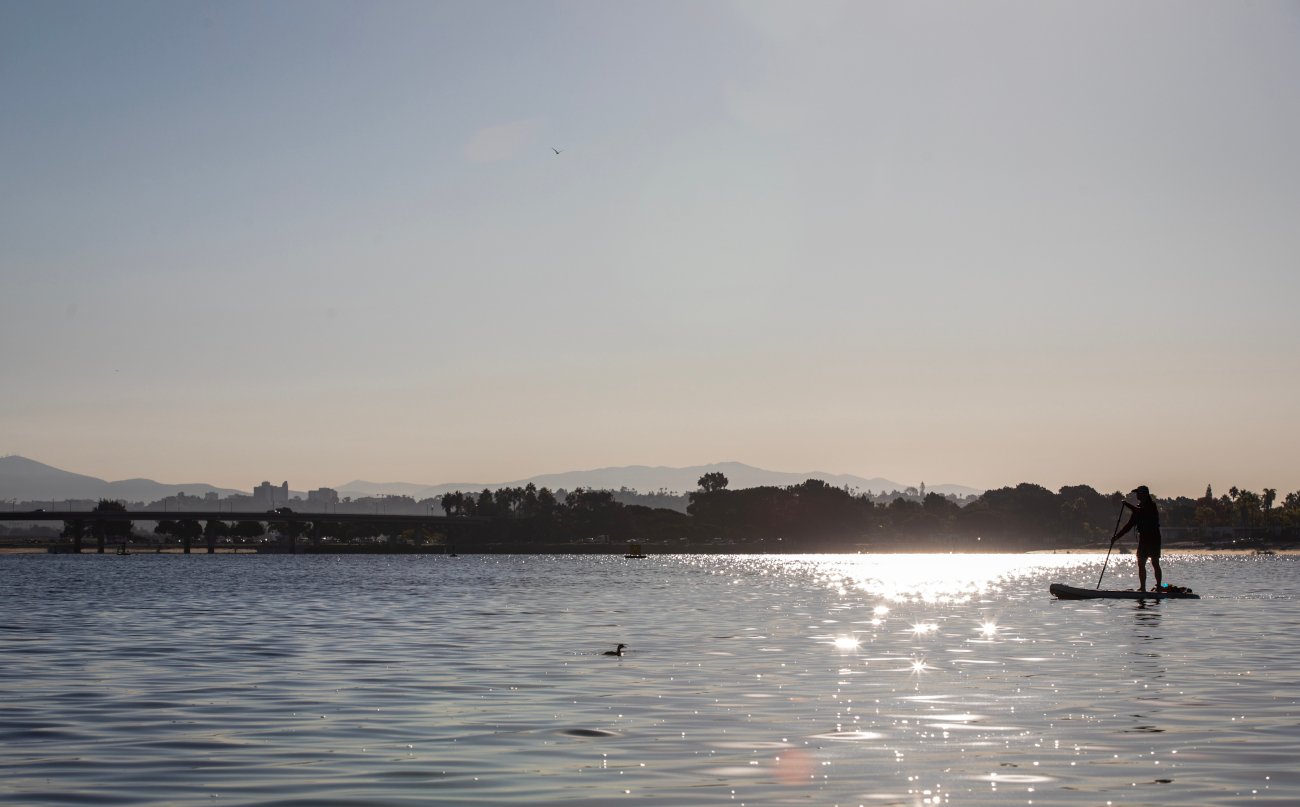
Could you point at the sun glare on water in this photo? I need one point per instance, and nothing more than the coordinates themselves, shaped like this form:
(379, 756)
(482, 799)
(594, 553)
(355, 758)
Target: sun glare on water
(937, 578)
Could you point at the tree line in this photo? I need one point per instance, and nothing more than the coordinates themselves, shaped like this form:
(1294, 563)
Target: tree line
(816, 516)
(809, 517)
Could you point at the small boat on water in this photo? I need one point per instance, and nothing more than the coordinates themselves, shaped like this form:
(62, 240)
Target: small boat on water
(1063, 592)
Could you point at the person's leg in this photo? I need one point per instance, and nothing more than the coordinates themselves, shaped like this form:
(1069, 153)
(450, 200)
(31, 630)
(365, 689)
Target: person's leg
(1155, 567)
(1142, 572)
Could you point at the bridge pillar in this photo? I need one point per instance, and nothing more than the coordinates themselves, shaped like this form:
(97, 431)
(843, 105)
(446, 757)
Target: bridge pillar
(185, 543)
(212, 538)
(315, 534)
(76, 536)
(99, 537)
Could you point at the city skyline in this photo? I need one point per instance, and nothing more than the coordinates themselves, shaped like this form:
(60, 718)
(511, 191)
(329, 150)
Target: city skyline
(979, 244)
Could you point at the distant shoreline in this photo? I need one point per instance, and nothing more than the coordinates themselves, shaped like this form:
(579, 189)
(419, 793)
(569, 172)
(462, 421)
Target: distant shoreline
(112, 550)
(41, 550)
(1167, 551)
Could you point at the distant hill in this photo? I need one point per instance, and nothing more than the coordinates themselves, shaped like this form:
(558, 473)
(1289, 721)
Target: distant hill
(646, 479)
(29, 480)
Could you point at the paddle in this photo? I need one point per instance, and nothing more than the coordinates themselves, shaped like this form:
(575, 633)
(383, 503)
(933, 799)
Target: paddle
(1114, 538)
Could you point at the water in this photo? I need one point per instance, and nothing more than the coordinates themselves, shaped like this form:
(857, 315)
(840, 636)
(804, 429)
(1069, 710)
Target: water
(811, 680)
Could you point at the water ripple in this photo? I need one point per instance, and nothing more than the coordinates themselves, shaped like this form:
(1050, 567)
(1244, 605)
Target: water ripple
(754, 679)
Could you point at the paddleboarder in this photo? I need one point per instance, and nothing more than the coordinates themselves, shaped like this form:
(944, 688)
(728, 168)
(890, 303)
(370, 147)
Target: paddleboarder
(1147, 520)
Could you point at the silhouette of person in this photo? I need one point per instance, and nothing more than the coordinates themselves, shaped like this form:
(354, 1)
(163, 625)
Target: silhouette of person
(1147, 520)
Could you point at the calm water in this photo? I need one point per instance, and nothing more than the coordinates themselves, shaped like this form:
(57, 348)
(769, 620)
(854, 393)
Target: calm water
(810, 680)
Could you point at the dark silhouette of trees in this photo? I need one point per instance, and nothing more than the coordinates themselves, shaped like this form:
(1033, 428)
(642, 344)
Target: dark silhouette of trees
(812, 516)
(713, 481)
(184, 530)
(247, 531)
(289, 531)
(187, 529)
(112, 531)
(458, 504)
(591, 513)
(214, 531)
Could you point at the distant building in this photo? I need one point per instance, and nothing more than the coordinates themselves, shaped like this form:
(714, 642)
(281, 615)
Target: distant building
(323, 496)
(269, 496)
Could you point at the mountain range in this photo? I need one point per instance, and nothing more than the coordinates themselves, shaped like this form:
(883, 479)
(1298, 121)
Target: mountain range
(28, 480)
(648, 479)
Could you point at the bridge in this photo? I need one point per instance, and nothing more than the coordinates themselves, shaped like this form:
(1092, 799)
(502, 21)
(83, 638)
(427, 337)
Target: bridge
(97, 519)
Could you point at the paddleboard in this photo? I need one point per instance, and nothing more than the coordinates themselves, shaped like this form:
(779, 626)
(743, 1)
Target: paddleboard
(1064, 592)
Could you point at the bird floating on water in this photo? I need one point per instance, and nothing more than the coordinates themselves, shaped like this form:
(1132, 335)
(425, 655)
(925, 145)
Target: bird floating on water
(617, 652)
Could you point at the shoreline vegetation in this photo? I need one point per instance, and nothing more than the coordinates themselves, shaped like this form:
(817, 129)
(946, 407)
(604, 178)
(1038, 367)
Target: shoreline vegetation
(811, 517)
(141, 548)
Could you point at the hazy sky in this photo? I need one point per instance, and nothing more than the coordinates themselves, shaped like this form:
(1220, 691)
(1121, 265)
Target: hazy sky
(978, 243)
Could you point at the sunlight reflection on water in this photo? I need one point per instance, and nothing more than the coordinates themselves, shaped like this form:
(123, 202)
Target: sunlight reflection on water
(883, 679)
(946, 578)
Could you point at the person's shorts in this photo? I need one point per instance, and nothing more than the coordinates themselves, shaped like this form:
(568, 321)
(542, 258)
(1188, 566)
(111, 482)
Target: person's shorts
(1148, 548)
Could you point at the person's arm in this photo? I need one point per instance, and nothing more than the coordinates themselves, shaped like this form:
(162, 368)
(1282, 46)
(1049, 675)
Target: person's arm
(1132, 522)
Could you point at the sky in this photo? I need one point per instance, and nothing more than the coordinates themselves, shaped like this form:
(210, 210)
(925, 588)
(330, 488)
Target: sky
(951, 242)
